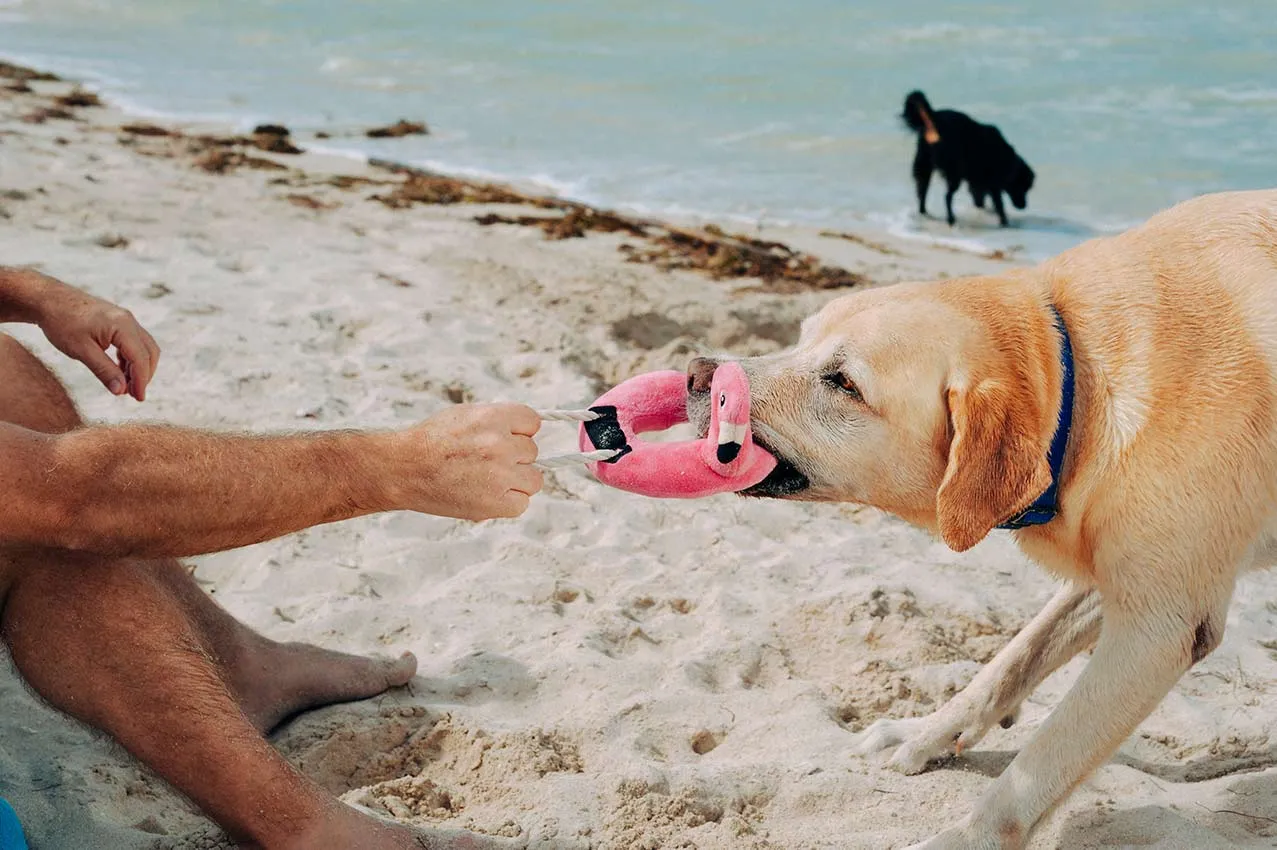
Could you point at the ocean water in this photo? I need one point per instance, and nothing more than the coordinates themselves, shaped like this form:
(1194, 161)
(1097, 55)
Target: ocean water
(737, 109)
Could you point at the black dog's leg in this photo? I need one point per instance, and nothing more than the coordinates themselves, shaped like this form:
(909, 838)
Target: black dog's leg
(948, 199)
(922, 175)
(977, 197)
(999, 209)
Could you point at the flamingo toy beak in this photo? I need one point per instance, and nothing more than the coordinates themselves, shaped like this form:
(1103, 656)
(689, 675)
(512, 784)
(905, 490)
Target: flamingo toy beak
(731, 437)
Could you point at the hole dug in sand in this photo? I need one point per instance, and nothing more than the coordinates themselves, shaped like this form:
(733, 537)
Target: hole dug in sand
(566, 595)
(704, 741)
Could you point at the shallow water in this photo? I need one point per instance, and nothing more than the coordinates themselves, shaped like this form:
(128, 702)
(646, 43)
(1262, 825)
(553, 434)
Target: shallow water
(748, 109)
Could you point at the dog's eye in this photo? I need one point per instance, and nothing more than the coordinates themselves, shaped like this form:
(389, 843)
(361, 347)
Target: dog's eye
(845, 384)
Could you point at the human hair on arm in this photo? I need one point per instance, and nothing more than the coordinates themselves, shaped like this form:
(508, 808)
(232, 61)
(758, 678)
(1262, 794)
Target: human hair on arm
(157, 491)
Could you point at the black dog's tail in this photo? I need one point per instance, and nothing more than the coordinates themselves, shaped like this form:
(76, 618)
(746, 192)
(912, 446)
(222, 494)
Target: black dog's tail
(917, 111)
(918, 115)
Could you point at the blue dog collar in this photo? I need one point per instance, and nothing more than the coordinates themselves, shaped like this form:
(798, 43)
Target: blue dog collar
(1045, 508)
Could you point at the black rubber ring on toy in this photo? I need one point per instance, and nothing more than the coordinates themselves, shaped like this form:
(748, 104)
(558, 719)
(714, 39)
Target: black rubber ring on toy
(605, 432)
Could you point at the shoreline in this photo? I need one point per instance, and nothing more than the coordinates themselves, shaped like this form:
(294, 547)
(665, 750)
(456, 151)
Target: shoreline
(606, 672)
(326, 144)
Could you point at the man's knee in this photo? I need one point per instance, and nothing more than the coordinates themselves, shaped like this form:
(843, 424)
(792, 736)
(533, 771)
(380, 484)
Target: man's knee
(58, 604)
(31, 395)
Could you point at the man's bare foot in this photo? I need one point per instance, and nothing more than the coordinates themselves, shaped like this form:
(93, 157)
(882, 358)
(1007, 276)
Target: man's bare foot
(274, 681)
(348, 829)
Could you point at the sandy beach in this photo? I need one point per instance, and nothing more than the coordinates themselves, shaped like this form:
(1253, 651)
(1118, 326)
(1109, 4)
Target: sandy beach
(607, 671)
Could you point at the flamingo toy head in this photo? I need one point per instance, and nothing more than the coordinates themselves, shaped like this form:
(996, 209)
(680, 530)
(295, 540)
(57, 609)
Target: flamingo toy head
(729, 432)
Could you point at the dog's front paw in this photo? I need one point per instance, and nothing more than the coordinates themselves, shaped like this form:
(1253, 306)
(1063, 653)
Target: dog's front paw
(888, 733)
(914, 740)
(919, 741)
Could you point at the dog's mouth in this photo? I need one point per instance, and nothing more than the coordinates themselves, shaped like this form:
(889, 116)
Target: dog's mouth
(782, 482)
(1019, 203)
(785, 481)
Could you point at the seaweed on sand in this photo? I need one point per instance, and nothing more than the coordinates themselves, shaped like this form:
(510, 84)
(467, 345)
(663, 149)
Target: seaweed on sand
(708, 250)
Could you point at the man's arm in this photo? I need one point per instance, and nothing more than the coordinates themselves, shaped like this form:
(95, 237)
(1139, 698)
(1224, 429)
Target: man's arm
(153, 491)
(18, 294)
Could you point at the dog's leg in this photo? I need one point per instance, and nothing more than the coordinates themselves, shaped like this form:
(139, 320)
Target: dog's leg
(1068, 624)
(1153, 632)
(977, 196)
(998, 208)
(922, 175)
(950, 191)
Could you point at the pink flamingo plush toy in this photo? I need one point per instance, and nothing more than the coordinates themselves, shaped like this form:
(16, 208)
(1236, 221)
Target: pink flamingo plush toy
(726, 460)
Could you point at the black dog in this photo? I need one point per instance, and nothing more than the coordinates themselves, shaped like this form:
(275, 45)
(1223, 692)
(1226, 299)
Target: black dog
(964, 149)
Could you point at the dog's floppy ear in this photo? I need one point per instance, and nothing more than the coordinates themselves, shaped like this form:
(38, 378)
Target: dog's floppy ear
(997, 465)
(1020, 174)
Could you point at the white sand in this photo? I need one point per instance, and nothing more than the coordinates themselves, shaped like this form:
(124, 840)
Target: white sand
(607, 671)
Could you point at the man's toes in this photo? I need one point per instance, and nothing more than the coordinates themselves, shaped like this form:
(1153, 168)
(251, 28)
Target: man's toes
(316, 677)
(397, 672)
(368, 677)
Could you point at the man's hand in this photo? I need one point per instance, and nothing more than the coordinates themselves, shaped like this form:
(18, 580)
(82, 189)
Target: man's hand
(472, 461)
(84, 328)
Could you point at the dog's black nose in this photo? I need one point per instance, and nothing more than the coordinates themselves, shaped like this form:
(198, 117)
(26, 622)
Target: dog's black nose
(700, 374)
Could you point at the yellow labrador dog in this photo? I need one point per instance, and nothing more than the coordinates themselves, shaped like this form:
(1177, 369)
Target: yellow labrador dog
(1116, 405)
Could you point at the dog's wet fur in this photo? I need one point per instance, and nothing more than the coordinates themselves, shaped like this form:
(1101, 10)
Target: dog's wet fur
(963, 149)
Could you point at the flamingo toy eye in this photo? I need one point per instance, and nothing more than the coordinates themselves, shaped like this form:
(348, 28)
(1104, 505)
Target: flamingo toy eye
(722, 400)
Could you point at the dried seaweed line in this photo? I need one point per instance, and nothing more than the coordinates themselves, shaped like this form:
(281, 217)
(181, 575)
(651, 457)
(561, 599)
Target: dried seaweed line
(710, 250)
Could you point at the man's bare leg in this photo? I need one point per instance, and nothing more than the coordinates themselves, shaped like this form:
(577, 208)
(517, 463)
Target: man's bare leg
(108, 643)
(136, 649)
(272, 681)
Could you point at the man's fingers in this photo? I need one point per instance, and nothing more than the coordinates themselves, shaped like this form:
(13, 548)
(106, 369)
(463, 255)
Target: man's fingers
(528, 480)
(514, 504)
(102, 366)
(135, 354)
(153, 347)
(524, 420)
(145, 343)
(525, 449)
